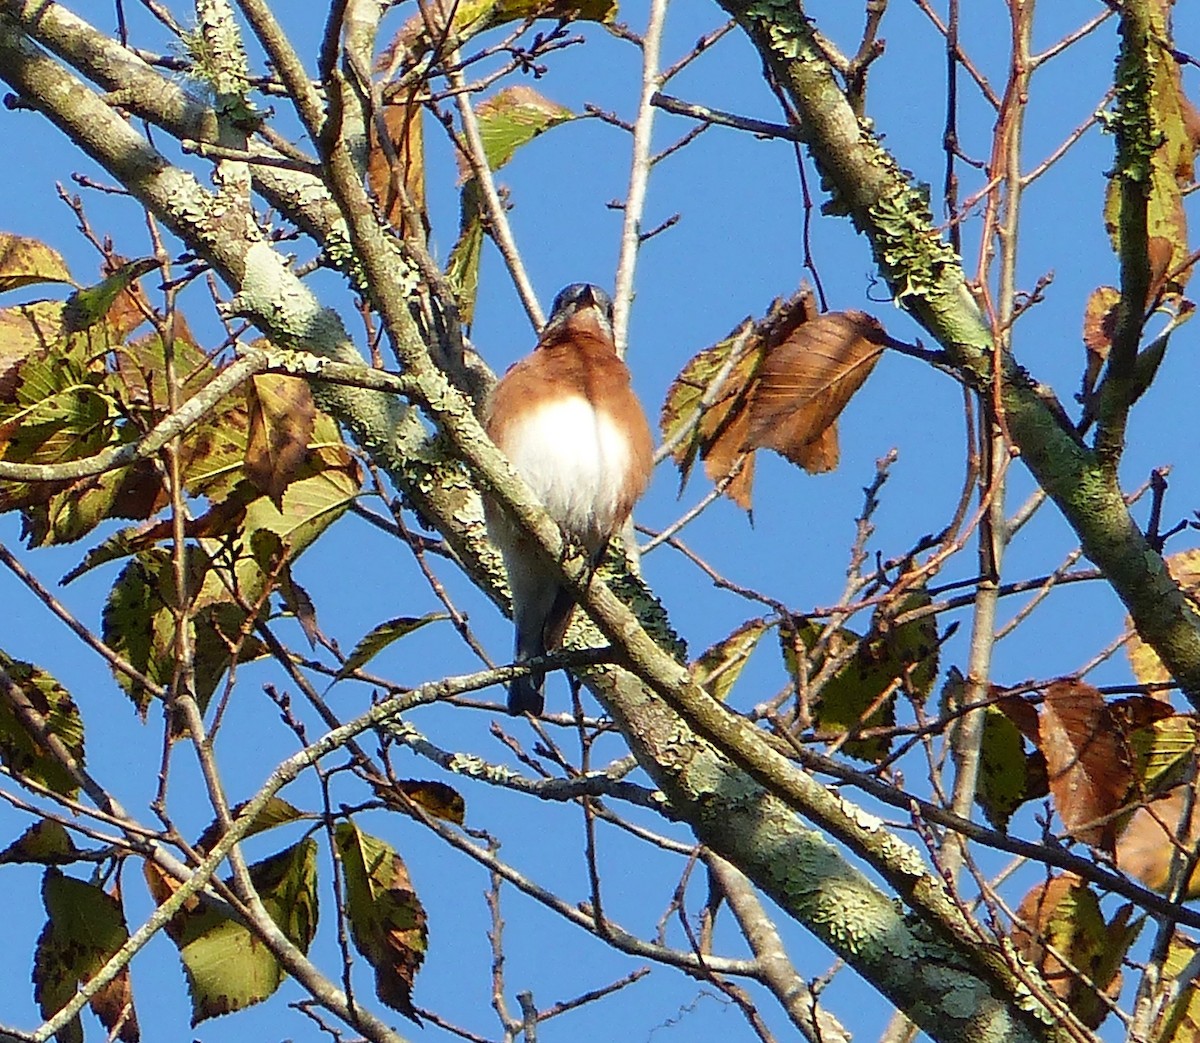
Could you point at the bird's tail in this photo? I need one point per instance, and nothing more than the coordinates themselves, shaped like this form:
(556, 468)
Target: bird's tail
(527, 694)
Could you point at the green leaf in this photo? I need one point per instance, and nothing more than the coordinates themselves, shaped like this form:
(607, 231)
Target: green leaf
(46, 842)
(139, 622)
(862, 694)
(227, 966)
(462, 268)
(84, 929)
(133, 492)
(378, 638)
(20, 751)
(57, 413)
(1009, 775)
(387, 920)
(276, 812)
(514, 117)
(719, 667)
(25, 261)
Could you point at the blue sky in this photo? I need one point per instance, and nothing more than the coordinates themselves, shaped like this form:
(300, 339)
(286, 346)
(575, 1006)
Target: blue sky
(737, 246)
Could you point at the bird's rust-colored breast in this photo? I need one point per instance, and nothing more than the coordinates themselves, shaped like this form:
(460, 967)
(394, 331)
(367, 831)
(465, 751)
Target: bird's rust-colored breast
(578, 361)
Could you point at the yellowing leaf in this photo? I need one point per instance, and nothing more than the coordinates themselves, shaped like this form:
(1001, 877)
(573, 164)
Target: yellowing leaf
(1164, 751)
(228, 967)
(379, 637)
(1183, 1023)
(1148, 668)
(1062, 918)
(511, 118)
(84, 928)
(471, 17)
(1172, 163)
(387, 920)
(718, 668)
(705, 416)
(26, 330)
(24, 261)
(22, 749)
(282, 418)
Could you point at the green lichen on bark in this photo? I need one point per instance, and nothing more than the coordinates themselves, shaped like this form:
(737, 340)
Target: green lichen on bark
(219, 60)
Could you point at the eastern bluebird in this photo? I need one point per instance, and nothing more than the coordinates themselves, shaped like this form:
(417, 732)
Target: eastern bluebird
(570, 424)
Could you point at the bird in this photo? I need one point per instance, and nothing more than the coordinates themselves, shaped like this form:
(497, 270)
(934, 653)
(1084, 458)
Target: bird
(567, 418)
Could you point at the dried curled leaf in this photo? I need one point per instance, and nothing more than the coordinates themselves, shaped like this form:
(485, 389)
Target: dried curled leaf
(806, 379)
(779, 384)
(400, 166)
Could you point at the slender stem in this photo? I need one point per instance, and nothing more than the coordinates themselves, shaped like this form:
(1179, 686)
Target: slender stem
(498, 225)
(639, 175)
(968, 735)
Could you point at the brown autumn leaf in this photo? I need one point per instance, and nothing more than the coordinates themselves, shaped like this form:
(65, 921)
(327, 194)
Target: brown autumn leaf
(1087, 760)
(810, 373)
(402, 118)
(1060, 919)
(1099, 323)
(436, 798)
(779, 383)
(1148, 842)
(1021, 712)
(282, 417)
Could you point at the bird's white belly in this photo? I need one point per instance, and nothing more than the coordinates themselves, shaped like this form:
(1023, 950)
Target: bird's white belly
(577, 461)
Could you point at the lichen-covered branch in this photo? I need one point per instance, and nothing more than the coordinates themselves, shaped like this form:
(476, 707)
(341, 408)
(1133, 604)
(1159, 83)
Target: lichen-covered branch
(925, 274)
(1133, 126)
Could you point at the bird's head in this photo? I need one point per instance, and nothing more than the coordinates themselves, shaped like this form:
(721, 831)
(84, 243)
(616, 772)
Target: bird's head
(581, 302)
